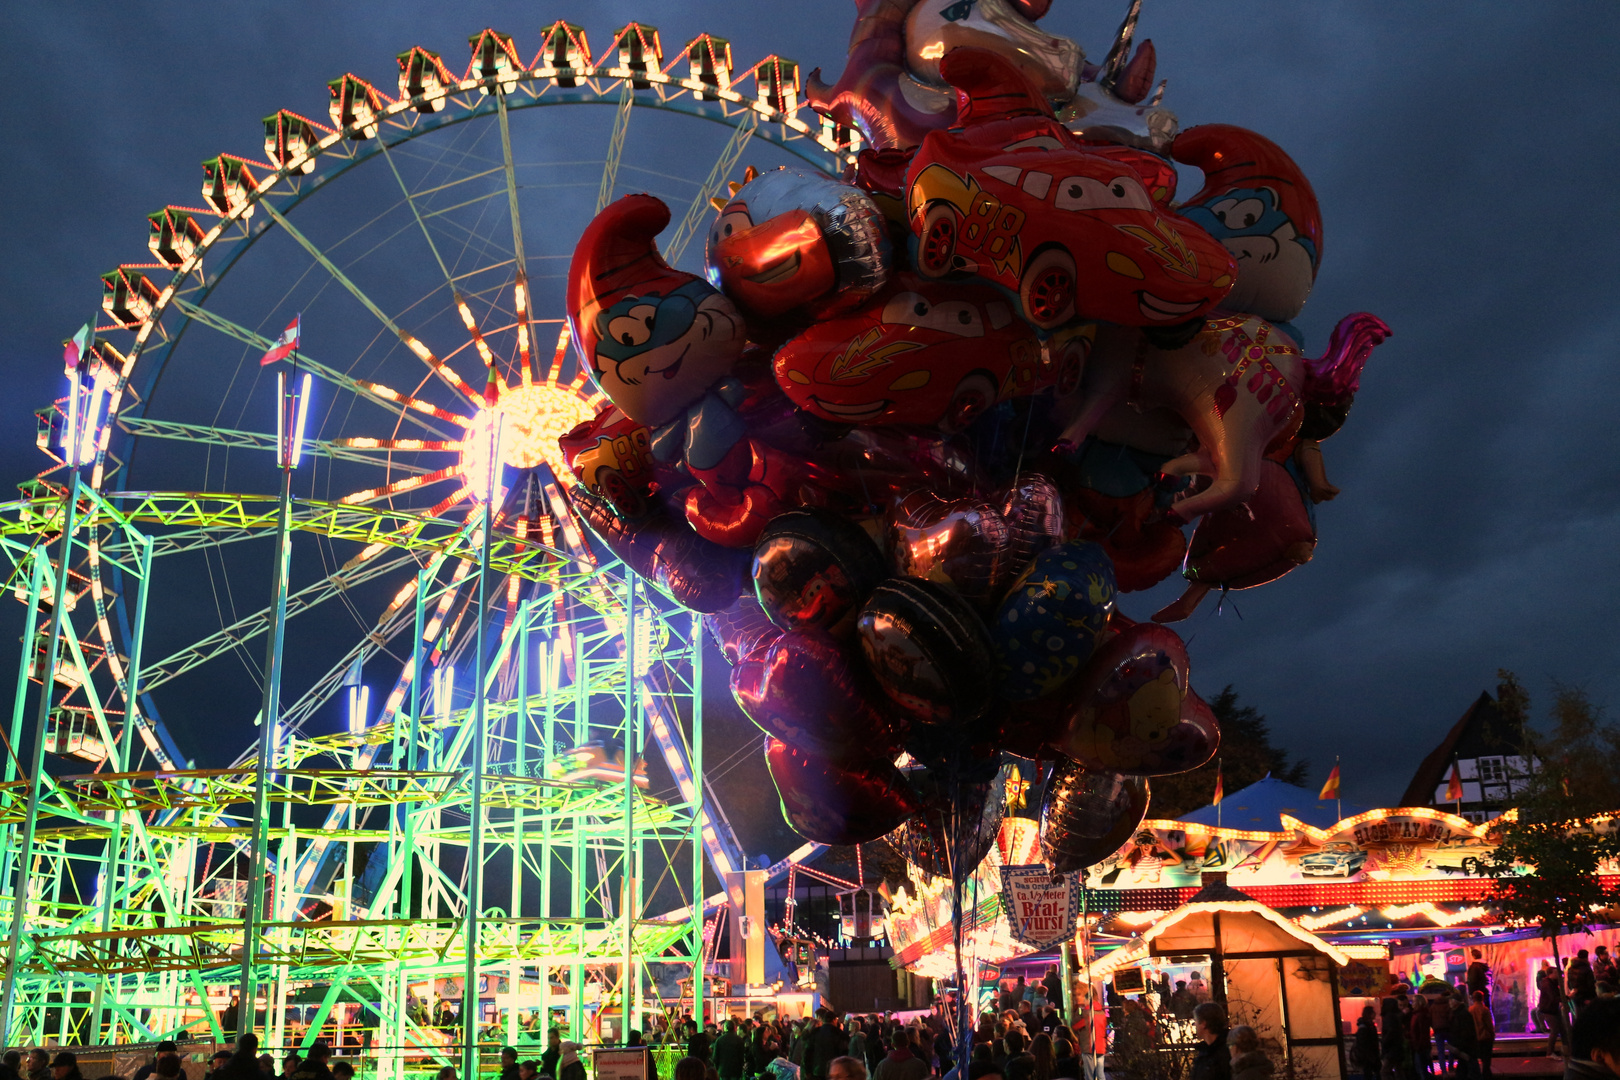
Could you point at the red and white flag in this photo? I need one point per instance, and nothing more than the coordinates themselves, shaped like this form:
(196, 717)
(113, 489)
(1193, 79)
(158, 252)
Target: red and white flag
(73, 349)
(283, 346)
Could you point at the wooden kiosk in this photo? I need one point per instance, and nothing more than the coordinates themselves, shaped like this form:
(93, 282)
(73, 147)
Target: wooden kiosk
(1268, 972)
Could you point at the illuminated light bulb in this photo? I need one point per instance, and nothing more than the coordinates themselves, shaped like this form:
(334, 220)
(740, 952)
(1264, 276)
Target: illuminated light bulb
(536, 417)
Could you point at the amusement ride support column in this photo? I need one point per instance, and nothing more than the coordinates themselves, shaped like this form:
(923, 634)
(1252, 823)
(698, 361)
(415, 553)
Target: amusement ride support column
(36, 760)
(292, 408)
(696, 758)
(80, 438)
(480, 736)
(627, 905)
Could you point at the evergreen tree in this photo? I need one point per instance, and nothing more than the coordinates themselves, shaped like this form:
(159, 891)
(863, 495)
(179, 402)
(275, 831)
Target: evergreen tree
(1247, 754)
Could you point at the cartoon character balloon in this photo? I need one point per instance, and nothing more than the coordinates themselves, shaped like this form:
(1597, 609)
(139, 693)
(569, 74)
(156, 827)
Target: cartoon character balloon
(927, 422)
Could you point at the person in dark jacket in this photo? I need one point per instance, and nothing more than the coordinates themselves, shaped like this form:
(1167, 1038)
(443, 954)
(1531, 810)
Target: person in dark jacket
(1464, 1041)
(1249, 1062)
(164, 1047)
(1594, 1042)
(1419, 1031)
(65, 1066)
(1394, 1057)
(1479, 976)
(11, 1065)
(1366, 1044)
(901, 1064)
(314, 1066)
(1582, 981)
(569, 1067)
(244, 1064)
(1213, 1061)
(553, 1051)
(39, 1065)
(730, 1053)
(827, 1042)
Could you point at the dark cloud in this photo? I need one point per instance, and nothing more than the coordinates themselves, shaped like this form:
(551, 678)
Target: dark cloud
(1465, 159)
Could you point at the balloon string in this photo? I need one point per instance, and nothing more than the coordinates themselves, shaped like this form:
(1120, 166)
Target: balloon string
(1029, 420)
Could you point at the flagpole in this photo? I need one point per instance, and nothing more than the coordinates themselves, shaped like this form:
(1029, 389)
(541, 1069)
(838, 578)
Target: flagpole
(1338, 799)
(1220, 785)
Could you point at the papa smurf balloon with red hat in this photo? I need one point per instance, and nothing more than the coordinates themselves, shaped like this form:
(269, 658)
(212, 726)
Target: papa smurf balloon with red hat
(663, 346)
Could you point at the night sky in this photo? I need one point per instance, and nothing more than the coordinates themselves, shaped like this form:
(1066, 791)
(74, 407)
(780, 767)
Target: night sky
(1465, 158)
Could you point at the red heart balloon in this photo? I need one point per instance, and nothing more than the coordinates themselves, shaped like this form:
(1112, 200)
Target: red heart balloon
(836, 804)
(962, 543)
(1134, 712)
(803, 689)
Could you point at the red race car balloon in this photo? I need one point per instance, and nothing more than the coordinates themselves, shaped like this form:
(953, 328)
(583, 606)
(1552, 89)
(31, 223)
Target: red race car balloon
(1015, 197)
(925, 352)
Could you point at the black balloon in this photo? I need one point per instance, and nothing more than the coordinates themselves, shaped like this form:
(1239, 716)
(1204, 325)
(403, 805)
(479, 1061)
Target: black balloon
(1032, 507)
(1087, 816)
(813, 568)
(804, 689)
(838, 803)
(928, 650)
(953, 830)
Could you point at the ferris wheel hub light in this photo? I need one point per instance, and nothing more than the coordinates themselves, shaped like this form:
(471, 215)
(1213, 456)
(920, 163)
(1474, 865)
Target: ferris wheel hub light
(536, 417)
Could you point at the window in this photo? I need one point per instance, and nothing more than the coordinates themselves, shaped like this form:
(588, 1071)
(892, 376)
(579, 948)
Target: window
(1492, 770)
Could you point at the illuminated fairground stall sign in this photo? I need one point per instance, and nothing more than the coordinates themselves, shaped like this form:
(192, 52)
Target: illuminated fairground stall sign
(1412, 866)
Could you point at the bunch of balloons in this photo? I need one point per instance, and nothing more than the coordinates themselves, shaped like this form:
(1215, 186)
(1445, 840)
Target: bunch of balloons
(921, 425)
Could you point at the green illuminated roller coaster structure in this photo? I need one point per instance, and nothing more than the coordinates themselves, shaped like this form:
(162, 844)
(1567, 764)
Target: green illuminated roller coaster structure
(523, 813)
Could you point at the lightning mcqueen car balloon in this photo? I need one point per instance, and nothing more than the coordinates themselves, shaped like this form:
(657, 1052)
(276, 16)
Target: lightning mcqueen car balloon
(1016, 198)
(925, 352)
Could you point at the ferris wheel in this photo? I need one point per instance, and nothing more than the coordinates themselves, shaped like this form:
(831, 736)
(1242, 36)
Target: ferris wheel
(420, 239)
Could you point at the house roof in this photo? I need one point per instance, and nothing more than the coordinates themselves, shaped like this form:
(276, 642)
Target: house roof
(1261, 805)
(1481, 730)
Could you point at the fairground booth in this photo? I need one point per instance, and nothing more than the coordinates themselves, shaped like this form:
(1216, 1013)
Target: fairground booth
(1249, 903)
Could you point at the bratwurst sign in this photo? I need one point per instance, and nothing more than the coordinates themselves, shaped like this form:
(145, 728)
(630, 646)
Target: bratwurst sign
(1040, 905)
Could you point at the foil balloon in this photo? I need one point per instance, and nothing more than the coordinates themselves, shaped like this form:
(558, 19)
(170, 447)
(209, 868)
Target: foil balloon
(1248, 545)
(813, 568)
(962, 543)
(1239, 384)
(1257, 202)
(700, 575)
(611, 456)
(838, 804)
(655, 338)
(1050, 63)
(1133, 711)
(1032, 507)
(741, 629)
(792, 238)
(928, 651)
(928, 353)
(953, 830)
(1048, 625)
(876, 94)
(803, 689)
(1073, 233)
(1087, 816)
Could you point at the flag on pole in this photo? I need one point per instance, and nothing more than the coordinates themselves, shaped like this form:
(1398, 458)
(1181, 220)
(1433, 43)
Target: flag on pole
(1330, 790)
(1454, 791)
(74, 349)
(283, 346)
(1219, 793)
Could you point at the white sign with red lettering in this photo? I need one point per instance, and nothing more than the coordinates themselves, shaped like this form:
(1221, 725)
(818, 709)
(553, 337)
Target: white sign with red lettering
(1040, 906)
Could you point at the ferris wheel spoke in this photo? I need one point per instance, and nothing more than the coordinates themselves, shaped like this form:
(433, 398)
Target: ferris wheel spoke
(416, 212)
(373, 392)
(411, 342)
(610, 168)
(354, 449)
(700, 208)
(239, 633)
(399, 487)
(520, 288)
